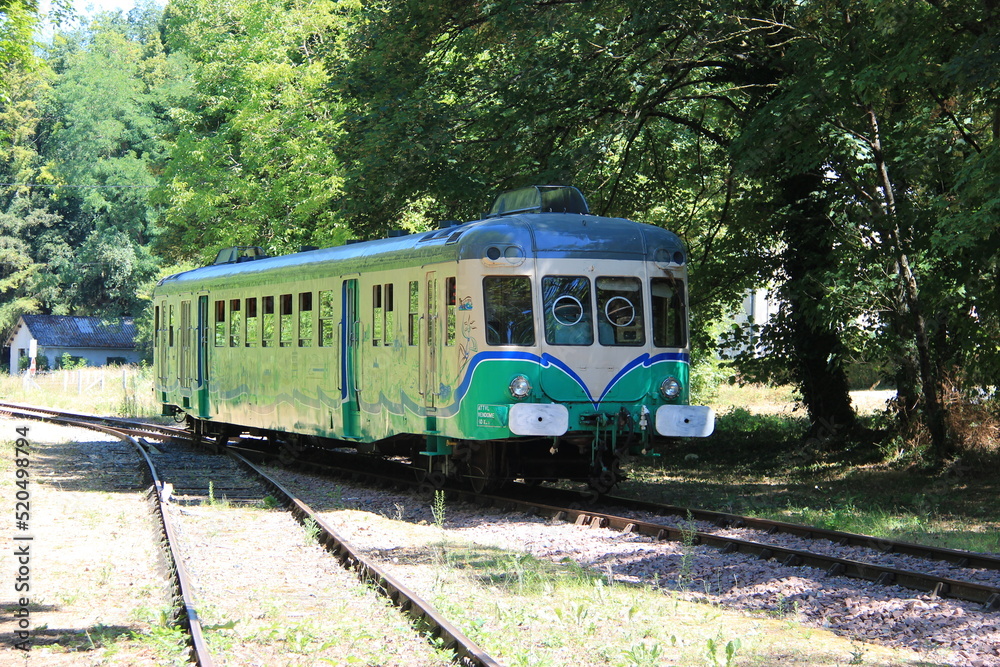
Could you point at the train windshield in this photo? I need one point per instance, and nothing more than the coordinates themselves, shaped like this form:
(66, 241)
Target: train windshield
(619, 311)
(668, 312)
(510, 319)
(568, 317)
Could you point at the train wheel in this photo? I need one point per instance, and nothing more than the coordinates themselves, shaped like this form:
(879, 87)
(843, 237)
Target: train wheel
(482, 466)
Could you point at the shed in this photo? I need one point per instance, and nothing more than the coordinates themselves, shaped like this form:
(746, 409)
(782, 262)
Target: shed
(99, 340)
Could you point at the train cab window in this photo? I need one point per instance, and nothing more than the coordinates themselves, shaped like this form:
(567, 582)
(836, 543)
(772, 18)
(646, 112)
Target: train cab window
(569, 319)
(305, 319)
(326, 320)
(390, 322)
(509, 315)
(667, 305)
(413, 331)
(220, 324)
(619, 311)
(235, 324)
(449, 301)
(267, 326)
(286, 321)
(253, 324)
(377, 317)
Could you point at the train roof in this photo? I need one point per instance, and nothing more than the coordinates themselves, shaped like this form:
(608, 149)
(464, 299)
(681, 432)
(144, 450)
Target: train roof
(499, 239)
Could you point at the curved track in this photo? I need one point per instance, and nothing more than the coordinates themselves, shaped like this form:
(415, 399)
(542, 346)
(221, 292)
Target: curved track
(183, 482)
(668, 522)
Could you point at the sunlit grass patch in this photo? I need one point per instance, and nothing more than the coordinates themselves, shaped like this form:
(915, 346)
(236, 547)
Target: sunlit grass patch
(528, 611)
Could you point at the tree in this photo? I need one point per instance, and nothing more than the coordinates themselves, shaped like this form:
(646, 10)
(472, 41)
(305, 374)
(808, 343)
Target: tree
(252, 162)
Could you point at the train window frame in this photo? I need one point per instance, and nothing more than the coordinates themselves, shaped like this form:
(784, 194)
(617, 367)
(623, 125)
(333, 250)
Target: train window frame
(235, 324)
(171, 327)
(450, 308)
(413, 328)
(184, 373)
(327, 318)
(220, 323)
(668, 315)
(286, 320)
(556, 295)
(388, 334)
(504, 319)
(377, 315)
(628, 328)
(253, 323)
(306, 328)
(267, 321)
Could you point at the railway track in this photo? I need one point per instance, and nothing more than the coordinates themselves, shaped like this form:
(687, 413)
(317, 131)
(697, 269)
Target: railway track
(662, 522)
(969, 576)
(183, 473)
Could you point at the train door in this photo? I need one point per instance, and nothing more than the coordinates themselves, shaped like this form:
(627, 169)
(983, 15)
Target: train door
(201, 342)
(350, 325)
(186, 334)
(429, 341)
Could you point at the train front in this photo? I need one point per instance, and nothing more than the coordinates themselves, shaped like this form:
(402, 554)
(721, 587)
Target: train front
(586, 337)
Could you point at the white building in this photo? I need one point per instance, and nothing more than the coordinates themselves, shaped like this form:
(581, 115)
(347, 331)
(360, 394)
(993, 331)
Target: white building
(98, 340)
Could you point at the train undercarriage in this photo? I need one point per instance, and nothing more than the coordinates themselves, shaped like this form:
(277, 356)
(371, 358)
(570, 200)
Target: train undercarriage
(593, 457)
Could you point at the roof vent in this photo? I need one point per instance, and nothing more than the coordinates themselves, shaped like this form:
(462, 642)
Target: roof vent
(540, 199)
(239, 253)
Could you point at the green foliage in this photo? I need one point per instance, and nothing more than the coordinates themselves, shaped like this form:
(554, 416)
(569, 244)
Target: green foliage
(252, 161)
(853, 165)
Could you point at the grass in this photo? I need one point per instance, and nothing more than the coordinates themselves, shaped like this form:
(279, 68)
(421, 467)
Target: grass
(759, 463)
(527, 611)
(122, 391)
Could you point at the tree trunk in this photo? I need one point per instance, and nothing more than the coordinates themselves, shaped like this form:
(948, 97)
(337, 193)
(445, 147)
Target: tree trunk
(817, 351)
(909, 303)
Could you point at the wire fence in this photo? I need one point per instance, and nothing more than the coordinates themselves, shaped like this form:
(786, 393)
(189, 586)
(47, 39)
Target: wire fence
(125, 391)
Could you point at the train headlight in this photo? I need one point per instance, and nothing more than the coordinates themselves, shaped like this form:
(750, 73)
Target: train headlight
(520, 387)
(670, 388)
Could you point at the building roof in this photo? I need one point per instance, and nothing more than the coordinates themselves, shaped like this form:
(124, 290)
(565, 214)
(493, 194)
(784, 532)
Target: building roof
(70, 331)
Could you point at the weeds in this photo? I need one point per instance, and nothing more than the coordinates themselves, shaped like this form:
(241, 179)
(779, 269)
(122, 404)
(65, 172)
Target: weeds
(712, 649)
(311, 529)
(438, 509)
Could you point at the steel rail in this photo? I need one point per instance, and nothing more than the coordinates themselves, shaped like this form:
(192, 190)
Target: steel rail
(467, 651)
(181, 582)
(959, 558)
(987, 596)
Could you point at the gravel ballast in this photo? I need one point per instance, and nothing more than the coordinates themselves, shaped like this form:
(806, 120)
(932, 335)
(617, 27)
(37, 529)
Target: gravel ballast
(945, 632)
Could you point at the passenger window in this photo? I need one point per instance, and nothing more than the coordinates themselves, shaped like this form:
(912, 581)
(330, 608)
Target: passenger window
(668, 312)
(267, 305)
(305, 319)
(235, 323)
(377, 315)
(326, 318)
(390, 322)
(171, 332)
(220, 324)
(568, 316)
(449, 300)
(619, 311)
(253, 324)
(508, 312)
(286, 322)
(414, 319)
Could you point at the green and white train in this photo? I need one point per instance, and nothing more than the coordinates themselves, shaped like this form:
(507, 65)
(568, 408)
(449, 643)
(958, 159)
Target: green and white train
(541, 343)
